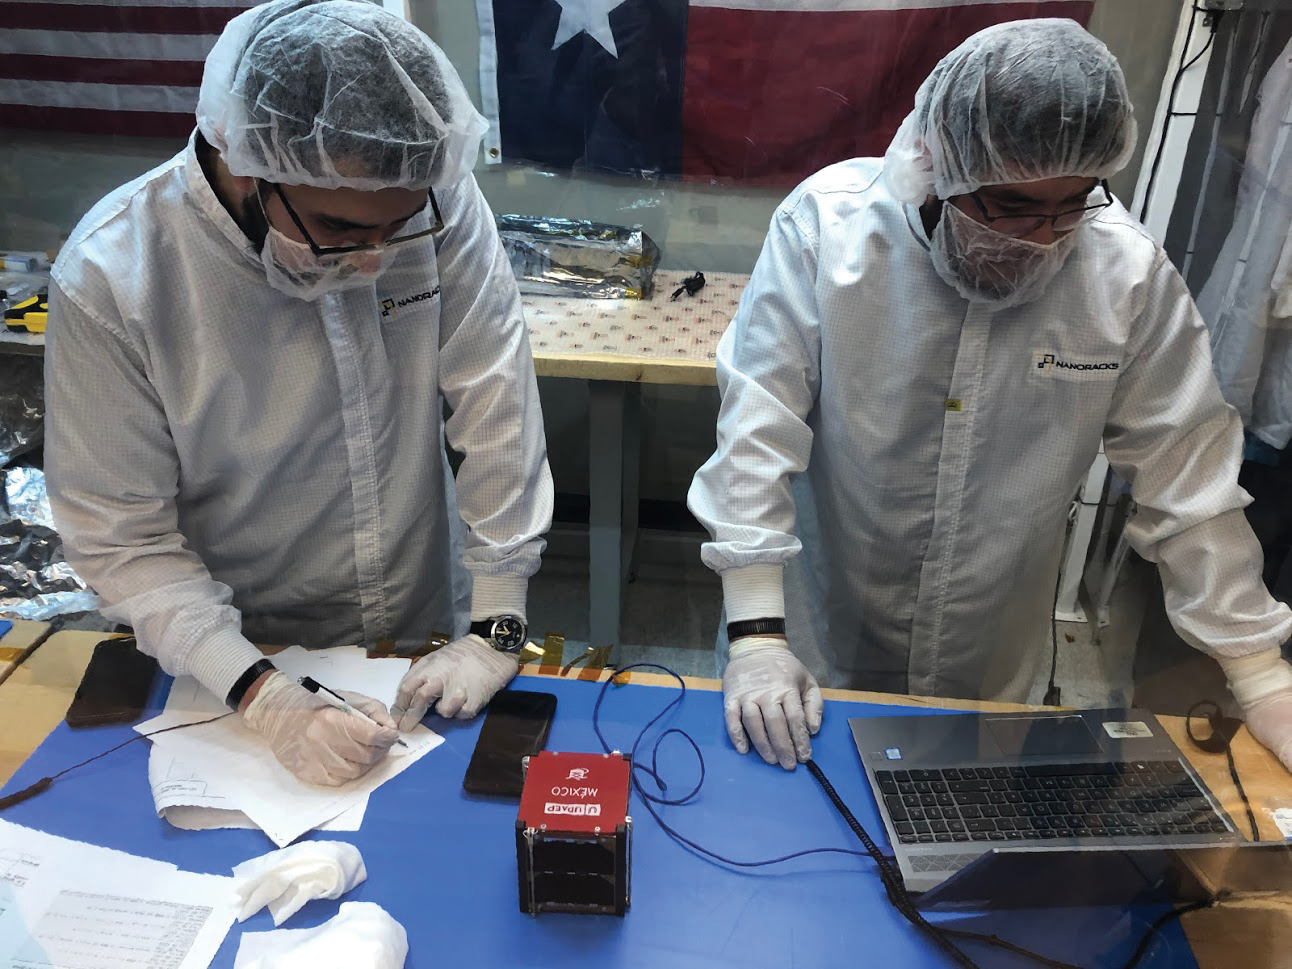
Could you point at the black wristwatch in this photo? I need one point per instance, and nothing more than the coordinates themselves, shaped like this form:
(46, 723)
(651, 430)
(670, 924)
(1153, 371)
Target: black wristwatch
(506, 633)
(243, 683)
(755, 627)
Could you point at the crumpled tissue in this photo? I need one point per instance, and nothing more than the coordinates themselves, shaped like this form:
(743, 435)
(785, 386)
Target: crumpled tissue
(362, 935)
(286, 879)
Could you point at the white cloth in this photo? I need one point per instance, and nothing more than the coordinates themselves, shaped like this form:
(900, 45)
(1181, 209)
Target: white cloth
(362, 935)
(224, 460)
(1247, 299)
(336, 93)
(910, 456)
(284, 880)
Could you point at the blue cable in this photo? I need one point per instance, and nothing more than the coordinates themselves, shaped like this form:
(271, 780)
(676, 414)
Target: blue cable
(650, 800)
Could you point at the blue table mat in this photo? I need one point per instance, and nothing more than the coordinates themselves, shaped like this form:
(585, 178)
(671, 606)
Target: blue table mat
(443, 862)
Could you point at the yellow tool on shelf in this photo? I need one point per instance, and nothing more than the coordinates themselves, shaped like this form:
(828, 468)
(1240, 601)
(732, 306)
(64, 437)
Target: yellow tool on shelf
(30, 315)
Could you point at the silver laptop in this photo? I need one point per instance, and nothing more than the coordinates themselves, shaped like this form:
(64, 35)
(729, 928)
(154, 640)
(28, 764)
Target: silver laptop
(951, 787)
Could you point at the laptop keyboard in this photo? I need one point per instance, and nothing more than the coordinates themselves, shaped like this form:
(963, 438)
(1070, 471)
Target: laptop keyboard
(1046, 801)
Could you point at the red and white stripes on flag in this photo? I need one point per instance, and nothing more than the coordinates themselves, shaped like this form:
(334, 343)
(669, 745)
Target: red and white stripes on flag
(107, 68)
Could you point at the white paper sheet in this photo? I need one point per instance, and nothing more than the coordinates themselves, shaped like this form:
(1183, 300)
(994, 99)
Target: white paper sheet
(187, 801)
(70, 905)
(237, 765)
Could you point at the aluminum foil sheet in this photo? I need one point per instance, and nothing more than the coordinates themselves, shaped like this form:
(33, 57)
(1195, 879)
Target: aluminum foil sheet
(22, 406)
(35, 581)
(566, 257)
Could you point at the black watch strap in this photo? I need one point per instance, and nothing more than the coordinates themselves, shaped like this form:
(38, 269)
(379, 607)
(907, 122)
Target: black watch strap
(755, 627)
(243, 683)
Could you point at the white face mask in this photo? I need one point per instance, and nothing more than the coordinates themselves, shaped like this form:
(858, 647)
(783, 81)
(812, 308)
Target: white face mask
(986, 267)
(292, 268)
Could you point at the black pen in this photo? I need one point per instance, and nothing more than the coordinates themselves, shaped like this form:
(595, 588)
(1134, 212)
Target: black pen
(314, 686)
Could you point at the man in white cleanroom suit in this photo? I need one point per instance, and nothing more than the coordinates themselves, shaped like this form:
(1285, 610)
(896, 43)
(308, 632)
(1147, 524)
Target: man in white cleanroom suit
(250, 349)
(930, 351)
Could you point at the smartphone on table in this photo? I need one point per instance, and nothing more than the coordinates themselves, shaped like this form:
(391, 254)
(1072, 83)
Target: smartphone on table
(516, 726)
(115, 686)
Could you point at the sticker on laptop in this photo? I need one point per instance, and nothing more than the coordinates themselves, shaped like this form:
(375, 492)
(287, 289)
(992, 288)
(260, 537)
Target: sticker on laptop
(1283, 818)
(1127, 729)
(893, 753)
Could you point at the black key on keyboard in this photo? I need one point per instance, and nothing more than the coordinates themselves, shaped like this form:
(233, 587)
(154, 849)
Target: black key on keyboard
(896, 809)
(884, 778)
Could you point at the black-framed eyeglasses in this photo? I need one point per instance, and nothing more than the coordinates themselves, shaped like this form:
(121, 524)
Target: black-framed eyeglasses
(436, 225)
(1022, 225)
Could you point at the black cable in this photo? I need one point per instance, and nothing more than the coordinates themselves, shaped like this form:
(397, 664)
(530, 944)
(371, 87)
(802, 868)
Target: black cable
(1220, 740)
(1170, 101)
(891, 878)
(1142, 949)
(55, 626)
(45, 783)
(1247, 805)
(649, 800)
(886, 866)
(1053, 696)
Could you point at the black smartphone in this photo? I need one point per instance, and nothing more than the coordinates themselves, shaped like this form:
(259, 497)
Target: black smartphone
(516, 726)
(115, 686)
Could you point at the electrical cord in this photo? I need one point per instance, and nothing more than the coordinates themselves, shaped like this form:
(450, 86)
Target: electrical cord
(1170, 101)
(885, 865)
(1220, 740)
(45, 783)
(1053, 696)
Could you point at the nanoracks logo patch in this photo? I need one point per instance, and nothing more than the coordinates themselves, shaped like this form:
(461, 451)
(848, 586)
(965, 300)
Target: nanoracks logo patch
(1051, 362)
(390, 307)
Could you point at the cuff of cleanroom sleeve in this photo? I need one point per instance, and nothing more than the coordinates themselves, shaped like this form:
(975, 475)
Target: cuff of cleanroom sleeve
(754, 592)
(498, 595)
(219, 659)
(1253, 678)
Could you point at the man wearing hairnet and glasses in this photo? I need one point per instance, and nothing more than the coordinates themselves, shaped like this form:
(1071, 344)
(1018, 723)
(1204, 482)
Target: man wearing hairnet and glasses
(249, 352)
(922, 368)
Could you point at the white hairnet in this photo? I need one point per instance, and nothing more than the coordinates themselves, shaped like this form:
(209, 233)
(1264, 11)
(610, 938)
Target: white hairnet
(1018, 102)
(336, 93)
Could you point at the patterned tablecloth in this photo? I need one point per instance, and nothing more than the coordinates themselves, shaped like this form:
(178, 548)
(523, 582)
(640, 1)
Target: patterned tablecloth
(659, 330)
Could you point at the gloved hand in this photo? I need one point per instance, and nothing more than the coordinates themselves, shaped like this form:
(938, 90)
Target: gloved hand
(769, 697)
(1262, 685)
(318, 742)
(463, 676)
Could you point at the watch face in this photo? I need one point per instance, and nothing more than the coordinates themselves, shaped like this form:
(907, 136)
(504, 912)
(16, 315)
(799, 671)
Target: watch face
(509, 634)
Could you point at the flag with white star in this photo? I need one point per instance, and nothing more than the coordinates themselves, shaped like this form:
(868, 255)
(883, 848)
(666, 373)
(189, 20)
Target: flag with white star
(756, 91)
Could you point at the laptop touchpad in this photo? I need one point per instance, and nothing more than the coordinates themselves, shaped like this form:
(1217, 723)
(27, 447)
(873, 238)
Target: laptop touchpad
(1047, 736)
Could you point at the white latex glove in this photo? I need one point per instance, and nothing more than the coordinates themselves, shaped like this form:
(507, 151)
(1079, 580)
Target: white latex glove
(286, 879)
(463, 676)
(1262, 685)
(318, 742)
(769, 697)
